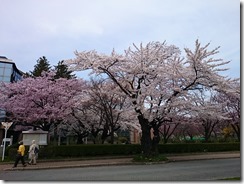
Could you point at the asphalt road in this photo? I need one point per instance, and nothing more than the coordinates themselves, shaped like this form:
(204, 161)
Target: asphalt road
(198, 170)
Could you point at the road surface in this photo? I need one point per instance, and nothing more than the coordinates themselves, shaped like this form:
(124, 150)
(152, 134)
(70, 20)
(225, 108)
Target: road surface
(198, 170)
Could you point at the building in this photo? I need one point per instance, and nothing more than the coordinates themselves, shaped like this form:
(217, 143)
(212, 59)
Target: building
(8, 70)
(8, 73)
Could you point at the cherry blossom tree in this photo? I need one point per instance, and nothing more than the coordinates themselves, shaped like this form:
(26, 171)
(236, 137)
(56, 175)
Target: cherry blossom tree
(103, 114)
(77, 126)
(189, 129)
(167, 130)
(232, 106)
(111, 105)
(82, 119)
(40, 101)
(156, 79)
(208, 112)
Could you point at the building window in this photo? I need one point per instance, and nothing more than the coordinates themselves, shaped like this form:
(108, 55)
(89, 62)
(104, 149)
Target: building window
(8, 73)
(6, 69)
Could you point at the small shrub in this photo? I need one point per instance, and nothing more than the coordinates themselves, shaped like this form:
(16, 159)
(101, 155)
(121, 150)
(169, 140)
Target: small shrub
(122, 140)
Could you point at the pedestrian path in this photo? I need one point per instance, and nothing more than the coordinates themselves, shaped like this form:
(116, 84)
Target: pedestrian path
(114, 161)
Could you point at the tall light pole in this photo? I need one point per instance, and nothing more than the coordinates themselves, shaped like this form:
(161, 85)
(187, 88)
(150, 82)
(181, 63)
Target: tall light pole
(6, 127)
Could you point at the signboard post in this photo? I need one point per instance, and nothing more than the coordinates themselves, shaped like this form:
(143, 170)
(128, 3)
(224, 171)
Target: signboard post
(6, 126)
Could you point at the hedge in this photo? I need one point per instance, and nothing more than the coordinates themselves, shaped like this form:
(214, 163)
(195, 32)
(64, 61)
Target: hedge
(198, 147)
(90, 150)
(126, 149)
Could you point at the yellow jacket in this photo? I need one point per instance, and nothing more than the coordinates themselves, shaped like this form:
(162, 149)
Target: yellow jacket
(21, 150)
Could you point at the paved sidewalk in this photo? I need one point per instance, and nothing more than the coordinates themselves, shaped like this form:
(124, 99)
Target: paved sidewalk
(115, 161)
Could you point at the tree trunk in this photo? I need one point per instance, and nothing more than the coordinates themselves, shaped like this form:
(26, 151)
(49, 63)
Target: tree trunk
(165, 139)
(104, 135)
(146, 142)
(79, 139)
(208, 129)
(59, 140)
(55, 135)
(155, 141)
(168, 131)
(206, 134)
(112, 137)
(236, 128)
(94, 135)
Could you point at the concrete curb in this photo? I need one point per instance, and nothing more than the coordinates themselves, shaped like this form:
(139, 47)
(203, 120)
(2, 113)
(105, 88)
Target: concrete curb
(203, 157)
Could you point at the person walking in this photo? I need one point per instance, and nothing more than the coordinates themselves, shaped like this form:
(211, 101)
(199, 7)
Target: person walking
(33, 152)
(20, 155)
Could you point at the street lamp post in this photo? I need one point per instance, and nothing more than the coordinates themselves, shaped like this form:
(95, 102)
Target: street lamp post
(6, 127)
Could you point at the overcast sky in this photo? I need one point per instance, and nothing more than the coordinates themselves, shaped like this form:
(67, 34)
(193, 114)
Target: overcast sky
(31, 29)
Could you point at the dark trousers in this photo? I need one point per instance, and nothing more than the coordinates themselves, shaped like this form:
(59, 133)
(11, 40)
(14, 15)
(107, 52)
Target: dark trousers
(18, 158)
